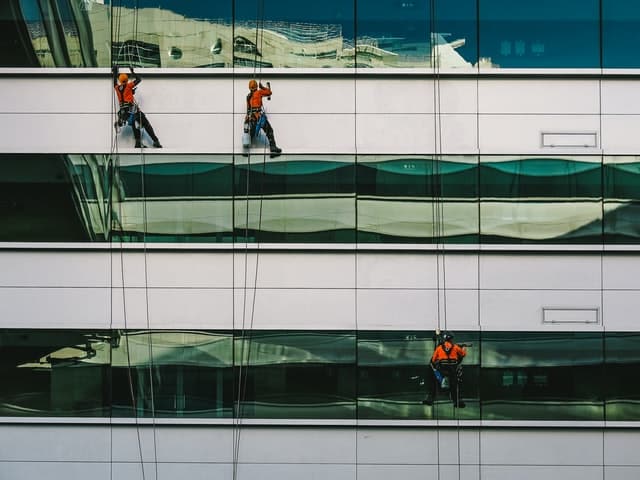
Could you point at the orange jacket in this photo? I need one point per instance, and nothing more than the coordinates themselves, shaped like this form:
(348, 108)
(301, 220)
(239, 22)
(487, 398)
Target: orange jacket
(124, 92)
(455, 353)
(254, 100)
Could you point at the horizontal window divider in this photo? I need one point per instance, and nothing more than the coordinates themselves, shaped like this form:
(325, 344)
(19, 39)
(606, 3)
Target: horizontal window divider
(253, 422)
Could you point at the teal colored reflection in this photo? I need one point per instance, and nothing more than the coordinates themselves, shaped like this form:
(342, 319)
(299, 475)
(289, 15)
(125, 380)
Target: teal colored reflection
(620, 41)
(542, 376)
(295, 374)
(172, 374)
(622, 365)
(540, 34)
(394, 377)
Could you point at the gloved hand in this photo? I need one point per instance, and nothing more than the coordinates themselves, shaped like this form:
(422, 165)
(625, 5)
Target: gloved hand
(131, 70)
(260, 85)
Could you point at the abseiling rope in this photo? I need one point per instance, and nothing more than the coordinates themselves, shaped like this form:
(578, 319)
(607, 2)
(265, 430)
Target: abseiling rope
(115, 168)
(243, 371)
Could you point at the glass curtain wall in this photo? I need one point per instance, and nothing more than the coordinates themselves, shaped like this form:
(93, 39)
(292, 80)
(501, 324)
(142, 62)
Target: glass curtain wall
(377, 375)
(466, 34)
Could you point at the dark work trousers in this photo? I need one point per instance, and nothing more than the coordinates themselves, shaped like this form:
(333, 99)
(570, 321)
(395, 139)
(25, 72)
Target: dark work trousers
(266, 127)
(451, 372)
(141, 121)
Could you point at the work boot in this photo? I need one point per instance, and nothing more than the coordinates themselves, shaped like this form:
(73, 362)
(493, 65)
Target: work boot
(140, 145)
(275, 151)
(156, 144)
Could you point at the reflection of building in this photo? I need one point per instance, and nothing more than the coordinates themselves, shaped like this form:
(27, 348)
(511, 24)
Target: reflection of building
(190, 311)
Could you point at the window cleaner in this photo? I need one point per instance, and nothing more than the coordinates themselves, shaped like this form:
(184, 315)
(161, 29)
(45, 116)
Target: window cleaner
(256, 118)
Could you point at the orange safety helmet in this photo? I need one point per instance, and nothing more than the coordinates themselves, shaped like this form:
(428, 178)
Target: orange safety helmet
(253, 85)
(123, 78)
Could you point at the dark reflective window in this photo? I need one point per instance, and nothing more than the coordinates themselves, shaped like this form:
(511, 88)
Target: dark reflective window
(40, 200)
(417, 199)
(295, 374)
(622, 354)
(537, 200)
(394, 377)
(281, 33)
(295, 199)
(620, 42)
(621, 199)
(174, 198)
(542, 376)
(54, 373)
(540, 34)
(418, 33)
(172, 374)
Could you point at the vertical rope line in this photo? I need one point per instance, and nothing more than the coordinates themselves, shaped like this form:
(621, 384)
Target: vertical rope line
(478, 263)
(602, 237)
(355, 264)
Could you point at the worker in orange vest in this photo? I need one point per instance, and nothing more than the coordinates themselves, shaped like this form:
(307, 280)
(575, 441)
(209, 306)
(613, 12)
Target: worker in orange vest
(447, 370)
(129, 112)
(256, 118)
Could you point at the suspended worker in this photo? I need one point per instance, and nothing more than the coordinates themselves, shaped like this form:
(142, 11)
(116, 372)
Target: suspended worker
(129, 112)
(256, 117)
(447, 369)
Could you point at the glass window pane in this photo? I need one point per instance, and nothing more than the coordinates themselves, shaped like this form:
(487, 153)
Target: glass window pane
(282, 33)
(621, 199)
(394, 376)
(542, 376)
(172, 33)
(298, 199)
(622, 353)
(189, 374)
(541, 199)
(40, 200)
(54, 373)
(620, 41)
(540, 34)
(413, 199)
(399, 34)
(295, 374)
(178, 198)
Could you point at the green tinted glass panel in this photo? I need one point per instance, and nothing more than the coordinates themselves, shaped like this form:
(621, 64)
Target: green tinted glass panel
(542, 376)
(622, 366)
(295, 199)
(394, 377)
(295, 374)
(417, 199)
(54, 373)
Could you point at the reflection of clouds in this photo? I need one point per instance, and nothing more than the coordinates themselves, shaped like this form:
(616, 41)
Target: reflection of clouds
(542, 352)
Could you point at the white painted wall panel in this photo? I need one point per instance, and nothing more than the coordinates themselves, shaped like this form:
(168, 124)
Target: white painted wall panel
(312, 309)
(190, 269)
(621, 448)
(616, 96)
(56, 95)
(58, 470)
(54, 269)
(55, 132)
(565, 272)
(518, 310)
(622, 473)
(397, 309)
(521, 133)
(620, 309)
(271, 471)
(616, 137)
(532, 472)
(191, 95)
(30, 307)
(551, 96)
(295, 270)
(542, 447)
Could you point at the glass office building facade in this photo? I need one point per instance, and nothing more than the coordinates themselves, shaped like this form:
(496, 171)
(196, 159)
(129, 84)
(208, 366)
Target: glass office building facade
(207, 310)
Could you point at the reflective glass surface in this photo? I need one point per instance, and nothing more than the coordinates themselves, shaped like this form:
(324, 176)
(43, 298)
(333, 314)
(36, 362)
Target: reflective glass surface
(540, 200)
(540, 34)
(54, 373)
(295, 199)
(296, 374)
(620, 41)
(172, 374)
(542, 376)
(621, 199)
(394, 377)
(416, 199)
(622, 356)
(419, 33)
